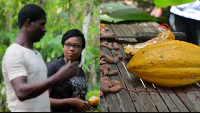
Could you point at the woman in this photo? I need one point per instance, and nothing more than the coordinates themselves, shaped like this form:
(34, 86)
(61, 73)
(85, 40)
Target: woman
(69, 95)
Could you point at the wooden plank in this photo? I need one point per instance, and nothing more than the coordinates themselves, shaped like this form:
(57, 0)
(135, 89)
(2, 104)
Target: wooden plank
(192, 94)
(146, 99)
(128, 32)
(118, 27)
(103, 105)
(115, 30)
(134, 29)
(161, 106)
(112, 102)
(125, 98)
(190, 105)
(168, 101)
(177, 101)
(128, 82)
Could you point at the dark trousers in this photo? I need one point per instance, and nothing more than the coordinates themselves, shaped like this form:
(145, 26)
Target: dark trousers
(188, 26)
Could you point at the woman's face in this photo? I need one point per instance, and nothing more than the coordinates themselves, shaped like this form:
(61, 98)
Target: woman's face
(72, 48)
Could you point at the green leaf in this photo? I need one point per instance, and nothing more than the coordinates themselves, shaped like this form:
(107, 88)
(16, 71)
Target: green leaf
(165, 3)
(107, 18)
(124, 13)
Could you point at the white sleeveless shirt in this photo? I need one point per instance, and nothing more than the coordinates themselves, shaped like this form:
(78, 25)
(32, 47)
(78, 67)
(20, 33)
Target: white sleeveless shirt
(189, 10)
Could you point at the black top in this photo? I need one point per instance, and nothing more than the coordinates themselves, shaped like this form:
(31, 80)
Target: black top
(74, 87)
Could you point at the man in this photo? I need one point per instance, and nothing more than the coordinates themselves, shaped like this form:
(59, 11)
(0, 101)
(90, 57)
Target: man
(23, 68)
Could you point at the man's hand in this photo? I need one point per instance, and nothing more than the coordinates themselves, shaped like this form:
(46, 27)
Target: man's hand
(67, 71)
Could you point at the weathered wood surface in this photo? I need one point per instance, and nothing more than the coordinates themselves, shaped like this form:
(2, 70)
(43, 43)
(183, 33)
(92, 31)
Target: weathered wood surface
(143, 96)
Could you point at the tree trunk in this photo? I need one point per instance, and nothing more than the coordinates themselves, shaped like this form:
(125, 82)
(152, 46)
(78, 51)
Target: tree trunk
(86, 27)
(92, 77)
(8, 26)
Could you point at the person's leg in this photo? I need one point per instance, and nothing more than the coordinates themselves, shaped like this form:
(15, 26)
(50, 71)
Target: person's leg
(180, 24)
(194, 26)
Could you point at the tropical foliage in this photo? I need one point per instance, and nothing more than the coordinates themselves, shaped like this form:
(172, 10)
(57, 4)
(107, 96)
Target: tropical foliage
(62, 15)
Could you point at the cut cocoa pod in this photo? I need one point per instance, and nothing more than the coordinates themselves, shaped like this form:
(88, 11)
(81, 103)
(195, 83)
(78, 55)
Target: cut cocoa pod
(109, 59)
(110, 46)
(104, 88)
(120, 56)
(105, 72)
(108, 83)
(102, 62)
(113, 72)
(115, 82)
(115, 88)
(115, 46)
(115, 59)
(101, 93)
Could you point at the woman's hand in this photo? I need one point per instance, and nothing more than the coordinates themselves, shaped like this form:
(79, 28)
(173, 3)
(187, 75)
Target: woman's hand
(81, 105)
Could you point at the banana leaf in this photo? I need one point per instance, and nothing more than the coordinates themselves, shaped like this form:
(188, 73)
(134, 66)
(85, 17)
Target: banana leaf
(165, 3)
(124, 13)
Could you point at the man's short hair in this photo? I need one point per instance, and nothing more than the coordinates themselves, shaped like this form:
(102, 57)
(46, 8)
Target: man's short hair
(30, 11)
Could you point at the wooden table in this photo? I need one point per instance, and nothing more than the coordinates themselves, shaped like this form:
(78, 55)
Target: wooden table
(143, 96)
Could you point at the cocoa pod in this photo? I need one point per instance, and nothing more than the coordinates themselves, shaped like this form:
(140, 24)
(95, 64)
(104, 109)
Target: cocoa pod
(115, 88)
(109, 59)
(104, 88)
(113, 72)
(115, 59)
(110, 46)
(101, 93)
(100, 74)
(115, 82)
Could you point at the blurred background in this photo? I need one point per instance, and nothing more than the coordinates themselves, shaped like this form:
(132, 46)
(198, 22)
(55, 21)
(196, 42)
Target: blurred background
(62, 15)
(146, 6)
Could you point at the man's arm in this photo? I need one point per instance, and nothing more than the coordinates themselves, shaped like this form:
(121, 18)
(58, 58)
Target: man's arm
(26, 91)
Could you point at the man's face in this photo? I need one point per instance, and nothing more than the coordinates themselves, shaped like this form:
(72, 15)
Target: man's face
(38, 29)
